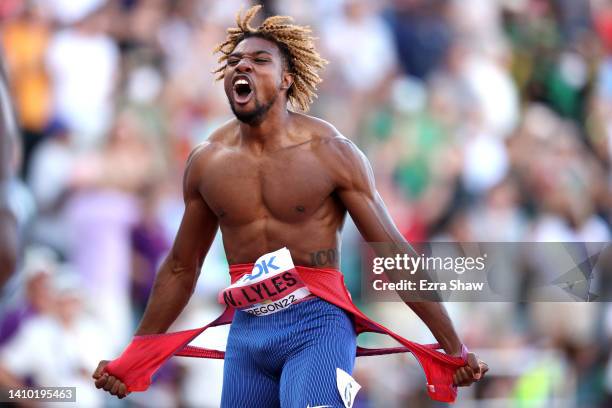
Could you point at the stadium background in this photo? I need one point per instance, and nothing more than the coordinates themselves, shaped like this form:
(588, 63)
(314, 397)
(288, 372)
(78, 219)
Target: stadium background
(484, 120)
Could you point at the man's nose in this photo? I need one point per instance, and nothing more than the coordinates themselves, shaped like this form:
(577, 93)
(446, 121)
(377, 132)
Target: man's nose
(244, 65)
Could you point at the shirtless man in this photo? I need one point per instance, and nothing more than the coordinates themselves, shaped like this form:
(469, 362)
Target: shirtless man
(273, 178)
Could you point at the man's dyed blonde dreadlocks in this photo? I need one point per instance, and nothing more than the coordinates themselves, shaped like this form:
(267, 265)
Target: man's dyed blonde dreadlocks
(294, 40)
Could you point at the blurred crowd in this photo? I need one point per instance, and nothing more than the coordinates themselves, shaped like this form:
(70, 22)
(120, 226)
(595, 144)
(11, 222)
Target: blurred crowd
(484, 120)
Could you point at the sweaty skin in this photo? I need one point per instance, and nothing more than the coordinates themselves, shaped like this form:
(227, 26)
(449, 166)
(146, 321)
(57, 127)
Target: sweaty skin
(282, 180)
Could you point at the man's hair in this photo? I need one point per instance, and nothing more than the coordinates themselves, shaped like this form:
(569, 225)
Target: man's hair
(295, 43)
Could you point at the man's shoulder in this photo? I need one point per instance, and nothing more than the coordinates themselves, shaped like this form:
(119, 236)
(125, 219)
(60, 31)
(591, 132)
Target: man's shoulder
(319, 128)
(325, 137)
(226, 134)
(220, 139)
(338, 154)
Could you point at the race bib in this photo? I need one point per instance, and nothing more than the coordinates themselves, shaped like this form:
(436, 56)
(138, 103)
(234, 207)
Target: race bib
(273, 285)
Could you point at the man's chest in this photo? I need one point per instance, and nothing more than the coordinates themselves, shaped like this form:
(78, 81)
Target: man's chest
(287, 187)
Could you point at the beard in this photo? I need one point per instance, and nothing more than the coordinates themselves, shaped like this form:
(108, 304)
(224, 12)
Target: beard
(255, 116)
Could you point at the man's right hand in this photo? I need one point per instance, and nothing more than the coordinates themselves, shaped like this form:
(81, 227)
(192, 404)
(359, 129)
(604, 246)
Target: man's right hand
(108, 382)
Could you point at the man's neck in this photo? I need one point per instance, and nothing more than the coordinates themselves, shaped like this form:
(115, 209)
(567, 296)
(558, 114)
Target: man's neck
(270, 133)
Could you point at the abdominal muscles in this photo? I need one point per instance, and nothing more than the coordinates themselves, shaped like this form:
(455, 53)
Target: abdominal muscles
(312, 242)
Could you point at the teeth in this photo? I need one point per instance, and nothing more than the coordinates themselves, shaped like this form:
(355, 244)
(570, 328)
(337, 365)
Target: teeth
(241, 82)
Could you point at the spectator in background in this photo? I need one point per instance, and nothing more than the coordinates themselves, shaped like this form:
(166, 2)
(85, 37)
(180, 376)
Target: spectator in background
(57, 349)
(50, 178)
(422, 34)
(83, 62)
(149, 246)
(39, 267)
(25, 40)
(364, 56)
(500, 217)
(100, 216)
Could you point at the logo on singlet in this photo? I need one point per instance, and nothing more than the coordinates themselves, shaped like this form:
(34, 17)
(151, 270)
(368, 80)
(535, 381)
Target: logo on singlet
(273, 285)
(264, 267)
(347, 387)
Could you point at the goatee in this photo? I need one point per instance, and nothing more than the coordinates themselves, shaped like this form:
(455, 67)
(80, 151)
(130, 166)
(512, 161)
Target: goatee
(256, 116)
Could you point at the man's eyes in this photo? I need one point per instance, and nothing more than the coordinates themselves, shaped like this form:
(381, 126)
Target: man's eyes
(234, 61)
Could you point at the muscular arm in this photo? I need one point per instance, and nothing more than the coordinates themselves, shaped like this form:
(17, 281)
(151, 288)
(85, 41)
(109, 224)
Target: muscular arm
(179, 272)
(176, 279)
(358, 193)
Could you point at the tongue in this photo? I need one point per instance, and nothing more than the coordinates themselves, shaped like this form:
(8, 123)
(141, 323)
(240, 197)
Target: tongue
(242, 97)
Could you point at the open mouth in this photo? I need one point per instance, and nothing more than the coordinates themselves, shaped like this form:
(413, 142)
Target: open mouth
(242, 91)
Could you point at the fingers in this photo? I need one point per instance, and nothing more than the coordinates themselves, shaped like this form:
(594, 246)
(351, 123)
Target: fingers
(474, 364)
(463, 376)
(100, 369)
(109, 383)
(112, 385)
(473, 371)
(101, 381)
(123, 392)
(115, 388)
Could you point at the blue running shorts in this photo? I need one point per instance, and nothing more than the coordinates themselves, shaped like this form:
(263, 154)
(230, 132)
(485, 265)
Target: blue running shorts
(289, 358)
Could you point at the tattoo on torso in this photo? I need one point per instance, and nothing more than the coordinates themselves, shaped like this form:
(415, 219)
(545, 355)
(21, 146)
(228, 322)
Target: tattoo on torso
(324, 257)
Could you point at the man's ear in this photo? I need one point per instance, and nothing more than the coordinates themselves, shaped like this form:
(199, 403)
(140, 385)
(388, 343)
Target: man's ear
(287, 80)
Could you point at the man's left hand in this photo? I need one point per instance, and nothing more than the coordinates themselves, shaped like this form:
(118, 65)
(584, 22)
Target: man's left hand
(472, 372)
